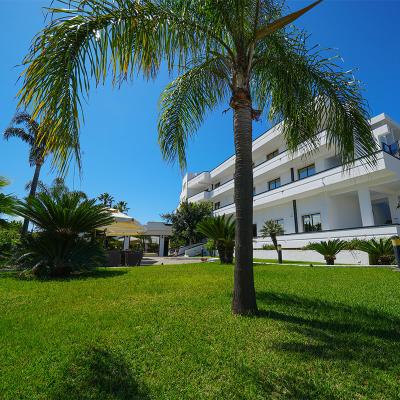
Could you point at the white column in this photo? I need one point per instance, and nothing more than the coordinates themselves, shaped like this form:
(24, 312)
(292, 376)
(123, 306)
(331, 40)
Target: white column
(394, 211)
(126, 242)
(328, 220)
(161, 246)
(364, 199)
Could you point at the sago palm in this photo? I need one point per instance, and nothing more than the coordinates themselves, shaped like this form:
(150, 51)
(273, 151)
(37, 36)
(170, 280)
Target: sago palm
(379, 250)
(58, 247)
(239, 52)
(329, 250)
(24, 127)
(221, 230)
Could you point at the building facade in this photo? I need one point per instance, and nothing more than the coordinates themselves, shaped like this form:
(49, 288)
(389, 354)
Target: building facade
(311, 194)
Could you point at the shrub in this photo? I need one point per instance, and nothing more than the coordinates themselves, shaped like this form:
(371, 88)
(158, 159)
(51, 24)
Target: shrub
(268, 247)
(328, 249)
(10, 236)
(59, 246)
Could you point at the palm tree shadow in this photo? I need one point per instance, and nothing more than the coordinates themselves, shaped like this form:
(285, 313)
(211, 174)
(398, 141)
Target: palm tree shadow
(335, 331)
(98, 374)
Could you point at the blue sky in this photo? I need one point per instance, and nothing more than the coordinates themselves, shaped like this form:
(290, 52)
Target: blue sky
(119, 138)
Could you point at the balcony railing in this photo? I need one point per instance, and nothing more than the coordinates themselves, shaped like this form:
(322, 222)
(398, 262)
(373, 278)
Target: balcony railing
(302, 181)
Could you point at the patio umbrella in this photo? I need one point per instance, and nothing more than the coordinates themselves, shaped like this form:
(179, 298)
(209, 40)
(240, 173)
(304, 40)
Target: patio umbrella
(123, 225)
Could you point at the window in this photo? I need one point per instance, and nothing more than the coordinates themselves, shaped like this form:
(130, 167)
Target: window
(217, 185)
(217, 205)
(254, 230)
(312, 222)
(274, 183)
(272, 155)
(279, 221)
(306, 171)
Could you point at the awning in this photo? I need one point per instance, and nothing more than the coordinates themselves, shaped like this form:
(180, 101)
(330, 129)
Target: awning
(123, 225)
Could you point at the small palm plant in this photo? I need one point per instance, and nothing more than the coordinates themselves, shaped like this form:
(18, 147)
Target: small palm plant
(221, 230)
(272, 229)
(59, 246)
(24, 127)
(329, 250)
(380, 251)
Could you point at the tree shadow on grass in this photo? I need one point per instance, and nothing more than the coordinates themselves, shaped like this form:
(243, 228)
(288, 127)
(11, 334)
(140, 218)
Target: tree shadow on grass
(99, 374)
(335, 331)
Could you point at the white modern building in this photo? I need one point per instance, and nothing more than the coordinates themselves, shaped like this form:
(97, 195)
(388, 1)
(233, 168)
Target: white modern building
(311, 194)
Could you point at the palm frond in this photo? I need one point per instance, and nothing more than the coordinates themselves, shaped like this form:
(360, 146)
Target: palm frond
(91, 37)
(307, 89)
(185, 102)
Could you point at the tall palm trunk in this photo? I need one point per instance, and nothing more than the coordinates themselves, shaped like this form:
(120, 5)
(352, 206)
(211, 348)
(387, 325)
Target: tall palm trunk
(244, 296)
(32, 193)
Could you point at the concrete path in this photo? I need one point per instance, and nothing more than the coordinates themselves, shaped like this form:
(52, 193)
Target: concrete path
(169, 260)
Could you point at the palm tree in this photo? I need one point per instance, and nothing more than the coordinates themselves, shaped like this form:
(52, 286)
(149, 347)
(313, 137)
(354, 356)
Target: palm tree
(122, 206)
(238, 51)
(272, 229)
(221, 230)
(379, 251)
(106, 199)
(329, 249)
(7, 202)
(37, 152)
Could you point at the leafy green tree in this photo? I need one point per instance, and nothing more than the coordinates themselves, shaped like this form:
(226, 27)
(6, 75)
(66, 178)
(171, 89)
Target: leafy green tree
(24, 127)
(242, 52)
(329, 250)
(7, 201)
(379, 251)
(221, 230)
(57, 188)
(185, 219)
(272, 229)
(106, 199)
(10, 237)
(58, 247)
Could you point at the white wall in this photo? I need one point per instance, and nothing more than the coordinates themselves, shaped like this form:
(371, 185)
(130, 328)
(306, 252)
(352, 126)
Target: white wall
(344, 257)
(343, 211)
(284, 211)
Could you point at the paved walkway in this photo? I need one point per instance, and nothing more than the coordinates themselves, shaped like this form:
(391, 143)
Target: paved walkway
(169, 260)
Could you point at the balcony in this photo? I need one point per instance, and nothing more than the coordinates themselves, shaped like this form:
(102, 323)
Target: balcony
(200, 180)
(333, 178)
(202, 196)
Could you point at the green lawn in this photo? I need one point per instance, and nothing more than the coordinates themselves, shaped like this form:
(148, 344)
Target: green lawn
(166, 332)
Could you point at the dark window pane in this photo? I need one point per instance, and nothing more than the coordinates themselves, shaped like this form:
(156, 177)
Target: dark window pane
(272, 155)
(274, 184)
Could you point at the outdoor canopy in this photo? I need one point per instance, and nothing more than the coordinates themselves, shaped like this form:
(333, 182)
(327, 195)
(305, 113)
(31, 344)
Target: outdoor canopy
(123, 225)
